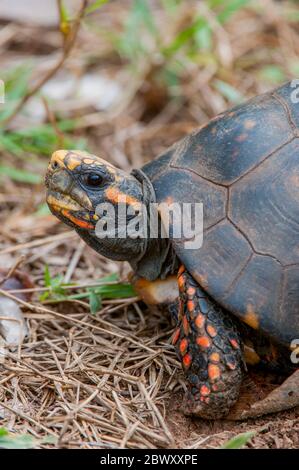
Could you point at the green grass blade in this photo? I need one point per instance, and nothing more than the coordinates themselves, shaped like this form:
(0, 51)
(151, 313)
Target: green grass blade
(22, 441)
(22, 176)
(95, 302)
(238, 441)
(95, 6)
(229, 92)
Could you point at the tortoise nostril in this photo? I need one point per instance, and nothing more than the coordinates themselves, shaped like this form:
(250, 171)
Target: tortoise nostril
(55, 165)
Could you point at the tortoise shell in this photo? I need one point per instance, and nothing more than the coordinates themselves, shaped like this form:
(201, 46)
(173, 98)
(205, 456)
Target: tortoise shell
(244, 167)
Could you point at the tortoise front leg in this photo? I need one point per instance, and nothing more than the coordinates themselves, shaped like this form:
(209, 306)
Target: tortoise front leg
(210, 349)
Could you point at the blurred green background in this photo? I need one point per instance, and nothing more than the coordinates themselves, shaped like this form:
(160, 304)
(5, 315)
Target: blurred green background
(141, 74)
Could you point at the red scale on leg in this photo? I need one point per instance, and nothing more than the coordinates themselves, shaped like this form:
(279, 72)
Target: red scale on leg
(187, 360)
(176, 336)
(181, 283)
(200, 321)
(190, 306)
(230, 362)
(205, 390)
(185, 325)
(181, 270)
(214, 372)
(181, 309)
(201, 338)
(204, 399)
(215, 357)
(203, 341)
(183, 346)
(191, 291)
(231, 366)
(212, 331)
(234, 343)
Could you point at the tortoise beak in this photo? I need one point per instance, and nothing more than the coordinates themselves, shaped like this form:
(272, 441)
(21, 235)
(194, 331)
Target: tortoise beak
(63, 189)
(65, 198)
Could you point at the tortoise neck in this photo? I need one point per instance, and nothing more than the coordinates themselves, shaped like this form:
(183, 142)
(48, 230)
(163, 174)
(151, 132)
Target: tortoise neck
(149, 195)
(158, 259)
(158, 262)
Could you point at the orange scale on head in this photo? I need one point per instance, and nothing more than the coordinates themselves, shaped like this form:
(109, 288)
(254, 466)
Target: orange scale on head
(72, 161)
(88, 161)
(115, 196)
(80, 223)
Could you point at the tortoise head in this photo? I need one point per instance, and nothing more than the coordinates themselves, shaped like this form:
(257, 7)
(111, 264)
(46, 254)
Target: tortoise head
(78, 184)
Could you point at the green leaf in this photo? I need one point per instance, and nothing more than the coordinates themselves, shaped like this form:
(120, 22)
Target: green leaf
(56, 281)
(184, 36)
(203, 37)
(21, 176)
(95, 302)
(41, 139)
(55, 285)
(229, 92)
(139, 19)
(16, 86)
(95, 6)
(22, 441)
(18, 442)
(143, 12)
(239, 441)
(272, 74)
(64, 15)
(108, 291)
(170, 5)
(43, 209)
(47, 276)
(294, 65)
(8, 143)
(228, 8)
(57, 291)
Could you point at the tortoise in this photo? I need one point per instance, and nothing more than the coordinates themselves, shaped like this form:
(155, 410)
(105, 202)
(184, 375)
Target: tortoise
(234, 299)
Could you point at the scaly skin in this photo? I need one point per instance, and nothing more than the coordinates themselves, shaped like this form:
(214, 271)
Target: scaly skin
(210, 349)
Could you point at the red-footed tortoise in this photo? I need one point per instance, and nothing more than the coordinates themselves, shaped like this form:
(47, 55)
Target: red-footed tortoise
(238, 294)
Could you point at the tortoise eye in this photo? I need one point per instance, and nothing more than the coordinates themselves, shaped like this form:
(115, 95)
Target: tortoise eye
(93, 180)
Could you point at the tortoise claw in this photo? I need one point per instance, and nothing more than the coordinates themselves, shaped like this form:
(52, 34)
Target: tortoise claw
(191, 407)
(282, 398)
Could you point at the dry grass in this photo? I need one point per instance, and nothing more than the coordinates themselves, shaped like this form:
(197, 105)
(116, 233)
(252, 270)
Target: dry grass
(112, 379)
